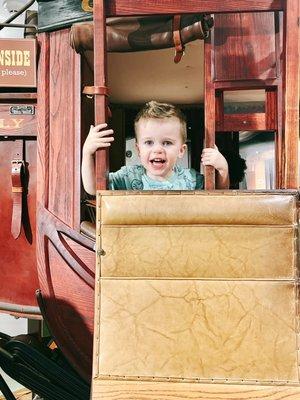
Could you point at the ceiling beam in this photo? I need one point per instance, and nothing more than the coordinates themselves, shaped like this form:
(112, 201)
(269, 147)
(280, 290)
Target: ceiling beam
(150, 7)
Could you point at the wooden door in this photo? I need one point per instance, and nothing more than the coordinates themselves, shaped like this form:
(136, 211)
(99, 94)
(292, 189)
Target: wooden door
(18, 273)
(65, 258)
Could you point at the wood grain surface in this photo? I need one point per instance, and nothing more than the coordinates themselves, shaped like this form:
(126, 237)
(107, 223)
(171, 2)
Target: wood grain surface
(117, 390)
(133, 7)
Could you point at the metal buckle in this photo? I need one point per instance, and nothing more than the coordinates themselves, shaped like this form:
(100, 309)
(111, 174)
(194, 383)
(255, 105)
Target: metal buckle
(16, 161)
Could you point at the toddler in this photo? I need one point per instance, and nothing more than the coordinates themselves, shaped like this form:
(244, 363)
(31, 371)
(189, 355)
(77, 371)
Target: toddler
(161, 134)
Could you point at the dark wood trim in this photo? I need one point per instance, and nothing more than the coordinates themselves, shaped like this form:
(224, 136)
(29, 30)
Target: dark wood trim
(243, 122)
(279, 101)
(209, 110)
(8, 97)
(100, 67)
(18, 134)
(244, 85)
(271, 110)
(151, 7)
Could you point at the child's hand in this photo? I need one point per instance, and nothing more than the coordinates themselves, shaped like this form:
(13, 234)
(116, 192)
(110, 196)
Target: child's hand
(214, 158)
(98, 138)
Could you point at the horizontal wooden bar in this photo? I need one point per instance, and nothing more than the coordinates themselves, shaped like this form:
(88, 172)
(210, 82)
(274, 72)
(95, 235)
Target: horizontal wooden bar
(8, 97)
(246, 85)
(132, 7)
(243, 122)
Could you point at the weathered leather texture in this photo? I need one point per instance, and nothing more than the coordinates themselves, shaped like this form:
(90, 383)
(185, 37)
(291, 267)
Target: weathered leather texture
(141, 33)
(197, 286)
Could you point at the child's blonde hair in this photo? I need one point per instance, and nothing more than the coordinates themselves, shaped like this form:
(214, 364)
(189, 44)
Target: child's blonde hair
(153, 109)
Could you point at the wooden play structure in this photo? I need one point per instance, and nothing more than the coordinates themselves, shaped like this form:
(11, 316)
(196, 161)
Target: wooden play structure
(195, 294)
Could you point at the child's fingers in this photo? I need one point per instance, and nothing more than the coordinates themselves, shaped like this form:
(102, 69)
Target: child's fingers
(100, 134)
(208, 154)
(104, 145)
(209, 150)
(99, 126)
(207, 159)
(100, 145)
(105, 139)
(106, 133)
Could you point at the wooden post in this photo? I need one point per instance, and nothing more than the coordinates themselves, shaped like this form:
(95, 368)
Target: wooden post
(291, 85)
(102, 160)
(209, 110)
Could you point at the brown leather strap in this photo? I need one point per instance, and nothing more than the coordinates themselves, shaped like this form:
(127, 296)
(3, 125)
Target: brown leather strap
(17, 166)
(96, 90)
(179, 47)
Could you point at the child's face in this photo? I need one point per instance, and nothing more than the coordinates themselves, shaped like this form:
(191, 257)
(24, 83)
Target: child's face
(159, 145)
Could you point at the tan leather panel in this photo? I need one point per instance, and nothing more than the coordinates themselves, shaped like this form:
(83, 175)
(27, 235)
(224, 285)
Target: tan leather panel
(198, 329)
(197, 208)
(198, 252)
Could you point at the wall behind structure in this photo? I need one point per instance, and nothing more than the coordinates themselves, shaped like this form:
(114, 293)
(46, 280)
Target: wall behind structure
(5, 6)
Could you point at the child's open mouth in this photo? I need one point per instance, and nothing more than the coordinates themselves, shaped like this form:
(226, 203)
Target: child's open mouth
(157, 161)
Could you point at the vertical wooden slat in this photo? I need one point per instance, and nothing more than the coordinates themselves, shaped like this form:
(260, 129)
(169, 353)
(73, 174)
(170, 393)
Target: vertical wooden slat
(220, 109)
(43, 121)
(291, 117)
(271, 113)
(209, 110)
(100, 80)
(271, 108)
(77, 142)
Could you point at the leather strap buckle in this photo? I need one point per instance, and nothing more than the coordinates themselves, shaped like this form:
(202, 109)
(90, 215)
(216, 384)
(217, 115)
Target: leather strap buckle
(17, 189)
(91, 91)
(18, 162)
(17, 171)
(179, 47)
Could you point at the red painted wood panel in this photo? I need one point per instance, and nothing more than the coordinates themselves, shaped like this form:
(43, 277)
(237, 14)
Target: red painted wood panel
(70, 306)
(11, 125)
(18, 273)
(68, 298)
(244, 47)
(243, 122)
(64, 124)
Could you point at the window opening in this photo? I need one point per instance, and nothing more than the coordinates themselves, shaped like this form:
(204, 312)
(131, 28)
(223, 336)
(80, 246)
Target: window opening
(258, 149)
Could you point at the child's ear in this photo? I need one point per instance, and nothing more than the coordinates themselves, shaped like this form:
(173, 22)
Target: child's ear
(137, 148)
(182, 150)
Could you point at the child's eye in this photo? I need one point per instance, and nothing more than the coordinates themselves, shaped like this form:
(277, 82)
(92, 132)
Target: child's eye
(149, 142)
(167, 143)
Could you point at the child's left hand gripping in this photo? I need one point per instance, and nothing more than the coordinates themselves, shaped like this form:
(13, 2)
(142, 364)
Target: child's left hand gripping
(212, 157)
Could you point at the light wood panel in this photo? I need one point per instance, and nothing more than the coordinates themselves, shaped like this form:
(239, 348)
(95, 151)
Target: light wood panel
(112, 390)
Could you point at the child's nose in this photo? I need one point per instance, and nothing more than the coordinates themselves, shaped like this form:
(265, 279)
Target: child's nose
(158, 148)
